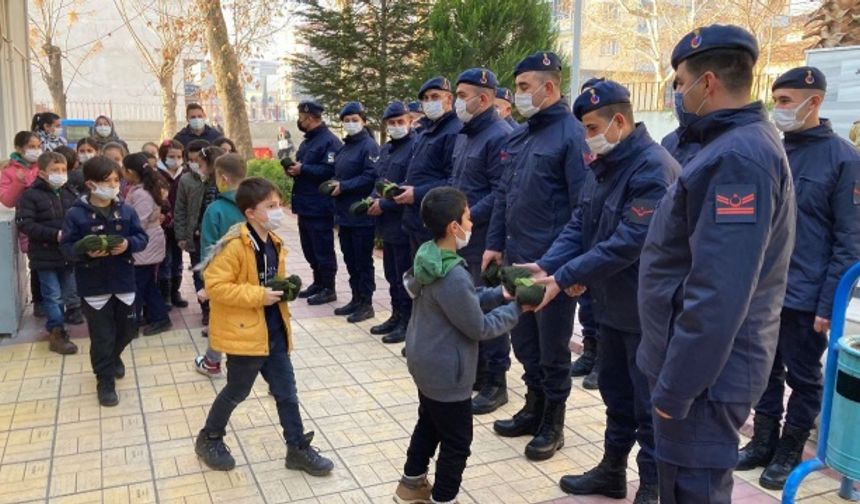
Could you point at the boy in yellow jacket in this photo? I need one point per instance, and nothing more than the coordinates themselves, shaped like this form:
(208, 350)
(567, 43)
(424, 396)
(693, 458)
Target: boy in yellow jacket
(251, 324)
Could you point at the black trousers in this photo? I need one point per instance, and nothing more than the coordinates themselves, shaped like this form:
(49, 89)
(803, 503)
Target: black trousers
(447, 425)
(356, 244)
(111, 330)
(396, 260)
(585, 314)
(799, 353)
(317, 239)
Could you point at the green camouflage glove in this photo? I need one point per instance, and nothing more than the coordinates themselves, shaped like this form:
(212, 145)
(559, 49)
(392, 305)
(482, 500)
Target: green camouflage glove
(492, 276)
(361, 207)
(327, 187)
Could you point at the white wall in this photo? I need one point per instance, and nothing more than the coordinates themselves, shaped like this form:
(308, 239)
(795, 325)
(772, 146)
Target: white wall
(15, 97)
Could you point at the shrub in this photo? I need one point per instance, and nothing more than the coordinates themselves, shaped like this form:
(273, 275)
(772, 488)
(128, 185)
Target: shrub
(271, 170)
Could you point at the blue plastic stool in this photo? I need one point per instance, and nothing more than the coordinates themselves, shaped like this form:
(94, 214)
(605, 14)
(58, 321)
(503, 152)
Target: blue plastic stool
(837, 330)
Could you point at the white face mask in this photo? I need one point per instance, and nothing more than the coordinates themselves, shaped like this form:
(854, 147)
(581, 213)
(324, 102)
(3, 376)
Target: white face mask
(171, 162)
(461, 107)
(105, 192)
(275, 216)
(786, 119)
(463, 242)
(103, 130)
(32, 155)
(525, 104)
(83, 157)
(57, 133)
(433, 109)
(57, 179)
(599, 145)
(397, 132)
(353, 128)
(198, 123)
(195, 167)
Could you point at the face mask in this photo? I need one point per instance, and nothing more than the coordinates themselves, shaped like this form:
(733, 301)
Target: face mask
(195, 167)
(462, 242)
(198, 123)
(84, 157)
(171, 162)
(57, 133)
(599, 145)
(274, 216)
(301, 128)
(32, 155)
(433, 109)
(105, 192)
(57, 179)
(353, 128)
(525, 104)
(103, 130)
(786, 118)
(397, 132)
(686, 118)
(463, 114)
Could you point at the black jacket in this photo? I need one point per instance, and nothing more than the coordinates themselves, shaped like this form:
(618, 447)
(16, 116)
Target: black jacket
(39, 215)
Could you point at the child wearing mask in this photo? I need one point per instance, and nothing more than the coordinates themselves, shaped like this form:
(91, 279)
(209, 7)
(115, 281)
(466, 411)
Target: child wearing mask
(172, 156)
(48, 127)
(86, 149)
(226, 144)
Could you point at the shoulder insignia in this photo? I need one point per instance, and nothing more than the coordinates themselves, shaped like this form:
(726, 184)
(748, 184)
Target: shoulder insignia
(735, 204)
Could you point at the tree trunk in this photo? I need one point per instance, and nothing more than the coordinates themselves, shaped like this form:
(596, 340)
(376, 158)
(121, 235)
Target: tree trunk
(168, 105)
(54, 79)
(228, 85)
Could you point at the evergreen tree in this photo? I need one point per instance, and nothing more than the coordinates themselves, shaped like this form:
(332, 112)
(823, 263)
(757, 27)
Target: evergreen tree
(494, 34)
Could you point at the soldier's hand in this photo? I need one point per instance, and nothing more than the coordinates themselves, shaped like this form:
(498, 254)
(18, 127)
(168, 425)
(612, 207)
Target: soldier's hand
(375, 210)
(407, 197)
(537, 272)
(295, 169)
(822, 325)
(490, 256)
(336, 191)
(575, 290)
(273, 296)
(552, 290)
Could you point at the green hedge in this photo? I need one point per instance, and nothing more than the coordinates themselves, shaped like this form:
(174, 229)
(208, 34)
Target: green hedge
(271, 169)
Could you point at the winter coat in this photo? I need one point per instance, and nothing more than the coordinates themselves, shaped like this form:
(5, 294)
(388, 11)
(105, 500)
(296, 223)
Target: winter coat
(393, 162)
(355, 169)
(317, 155)
(150, 218)
(112, 137)
(185, 136)
(186, 212)
(169, 203)
(10, 186)
(221, 215)
(39, 216)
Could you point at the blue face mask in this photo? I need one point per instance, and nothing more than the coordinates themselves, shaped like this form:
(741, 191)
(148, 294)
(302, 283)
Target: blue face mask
(686, 118)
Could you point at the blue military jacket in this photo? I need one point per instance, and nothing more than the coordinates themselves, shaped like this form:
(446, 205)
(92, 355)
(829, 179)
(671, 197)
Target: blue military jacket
(826, 173)
(317, 154)
(600, 246)
(684, 151)
(477, 170)
(355, 169)
(713, 269)
(544, 169)
(393, 161)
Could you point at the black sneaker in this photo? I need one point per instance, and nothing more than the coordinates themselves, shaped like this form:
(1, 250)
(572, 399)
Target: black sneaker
(307, 458)
(214, 453)
(119, 368)
(106, 389)
(158, 327)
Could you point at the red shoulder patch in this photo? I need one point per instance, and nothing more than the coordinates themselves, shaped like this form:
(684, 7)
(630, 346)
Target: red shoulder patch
(735, 204)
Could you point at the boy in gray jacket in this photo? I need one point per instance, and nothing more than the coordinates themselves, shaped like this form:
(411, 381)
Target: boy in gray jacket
(448, 320)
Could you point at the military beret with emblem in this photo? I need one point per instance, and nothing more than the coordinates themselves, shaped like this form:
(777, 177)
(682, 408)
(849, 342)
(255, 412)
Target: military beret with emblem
(804, 77)
(715, 36)
(504, 93)
(394, 109)
(311, 107)
(591, 82)
(415, 106)
(541, 61)
(353, 108)
(480, 77)
(600, 95)
(440, 83)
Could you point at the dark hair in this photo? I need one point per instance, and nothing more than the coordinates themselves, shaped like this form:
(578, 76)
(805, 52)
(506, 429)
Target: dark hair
(41, 119)
(254, 190)
(440, 207)
(232, 165)
(166, 146)
(114, 145)
(148, 144)
(151, 181)
(99, 168)
(610, 111)
(149, 155)
(224, 140)
(22, 137)
(87, 141)
(734, 68)
(209, 154)
(196, 146)
(193, 106)
(46, 159)
(68, 153)
(550, 75)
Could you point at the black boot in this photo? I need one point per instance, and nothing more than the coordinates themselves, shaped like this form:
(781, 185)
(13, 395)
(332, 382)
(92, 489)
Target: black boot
(388, 326)
(550, 436)
(106, 389)
(73, 316)
(325, 295)
(526, 421)
(175, 297)
(785, 459)
(306, 458)
(759, 451)
(609, 479)
(349, 308)
(164, 288)
(590, 382)
(493, 395)
(398, 335)
(310, 291)
(214, 453)
(647, 494)
(481, 377)
(585, 363)
(119, 368)
(364, 311)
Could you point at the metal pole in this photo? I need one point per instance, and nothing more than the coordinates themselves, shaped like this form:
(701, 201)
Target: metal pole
(576, 59)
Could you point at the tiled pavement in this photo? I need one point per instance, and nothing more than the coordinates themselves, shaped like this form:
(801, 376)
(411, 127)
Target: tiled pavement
(58, 445)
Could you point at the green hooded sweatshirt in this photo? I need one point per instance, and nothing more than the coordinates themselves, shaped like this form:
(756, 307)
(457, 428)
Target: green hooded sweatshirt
(433, 263)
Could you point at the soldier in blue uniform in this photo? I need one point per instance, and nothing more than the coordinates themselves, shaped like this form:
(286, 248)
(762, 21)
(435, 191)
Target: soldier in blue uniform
(505, 105)
(354, 176)
(826, 173)
(397, 255)
(713, 269)
(544, 169)
(599, 249)
(314, 165)
(477, 170)
(416, 116)
(430, 165)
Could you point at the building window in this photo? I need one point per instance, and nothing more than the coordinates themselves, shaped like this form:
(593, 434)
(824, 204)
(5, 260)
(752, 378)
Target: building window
(609, 48)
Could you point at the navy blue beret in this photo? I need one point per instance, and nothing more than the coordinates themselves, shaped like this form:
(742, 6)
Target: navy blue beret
(394, 109)
(504, 93)
(804, 77)
(351, 108)
(440, 83)
(479, 77)
(591, 82)
(712, 37)
(600, 95)
(311, 107)
(541, 61)
(415, 106)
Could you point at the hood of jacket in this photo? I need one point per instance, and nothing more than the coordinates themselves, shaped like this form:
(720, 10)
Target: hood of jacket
(433, 263)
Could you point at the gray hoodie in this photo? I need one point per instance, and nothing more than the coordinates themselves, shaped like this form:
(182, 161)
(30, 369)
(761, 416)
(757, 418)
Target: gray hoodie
(448, 321)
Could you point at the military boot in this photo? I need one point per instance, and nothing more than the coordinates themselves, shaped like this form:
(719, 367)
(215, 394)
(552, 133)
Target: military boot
(106, 390)
(323, 296)
(759, 451)
(526, 421)
(364, 311)
(585, 363)
(550, 435)
(398, 335)
(388, 326)
(213, 452)
(493, 395)
(787, 456)
(304, 457)
(609, 479)
(647, 494)
(591, 382)
(349, 308)
(310, 291)
(58, 342)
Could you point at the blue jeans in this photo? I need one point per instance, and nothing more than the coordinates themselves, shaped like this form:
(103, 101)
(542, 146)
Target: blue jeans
(56, 285)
